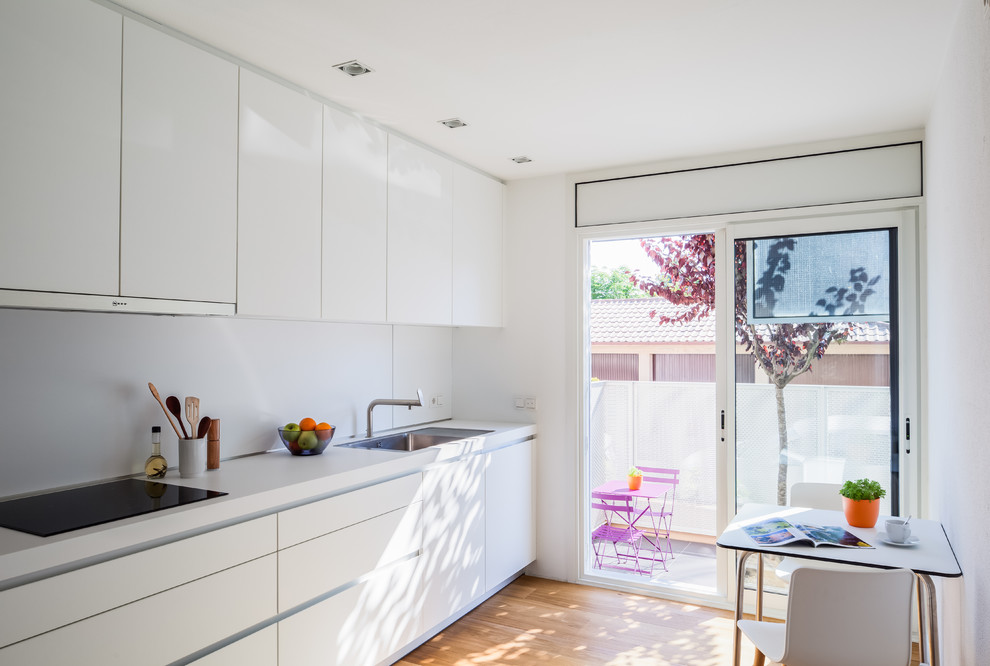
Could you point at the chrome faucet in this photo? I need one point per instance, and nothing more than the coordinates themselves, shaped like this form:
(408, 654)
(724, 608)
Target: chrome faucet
(418, 402)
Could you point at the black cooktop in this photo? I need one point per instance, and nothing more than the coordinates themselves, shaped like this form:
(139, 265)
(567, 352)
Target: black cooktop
(76, 508)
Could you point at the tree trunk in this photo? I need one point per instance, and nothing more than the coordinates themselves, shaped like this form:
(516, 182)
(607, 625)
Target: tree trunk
(782, 437)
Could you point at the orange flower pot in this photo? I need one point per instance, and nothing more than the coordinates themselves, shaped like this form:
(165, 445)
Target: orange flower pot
(861, 513)
(635, 482)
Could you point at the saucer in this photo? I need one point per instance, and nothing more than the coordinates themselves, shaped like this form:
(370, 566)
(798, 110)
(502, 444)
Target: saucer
(911, 541)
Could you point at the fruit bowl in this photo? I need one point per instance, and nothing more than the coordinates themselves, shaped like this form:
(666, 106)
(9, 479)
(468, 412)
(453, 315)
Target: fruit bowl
(306, 442)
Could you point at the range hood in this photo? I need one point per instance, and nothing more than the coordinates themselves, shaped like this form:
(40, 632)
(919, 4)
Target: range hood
(44, 300)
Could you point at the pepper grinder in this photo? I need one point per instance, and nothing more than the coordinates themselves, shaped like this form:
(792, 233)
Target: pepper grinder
(213, 445)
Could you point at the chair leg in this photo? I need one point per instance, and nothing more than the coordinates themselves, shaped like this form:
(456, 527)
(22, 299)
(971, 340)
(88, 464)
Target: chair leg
(758, 659)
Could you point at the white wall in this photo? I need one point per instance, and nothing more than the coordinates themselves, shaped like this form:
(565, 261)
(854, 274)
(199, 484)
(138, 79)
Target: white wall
(527, 357)
(75, 404)
(958, 289)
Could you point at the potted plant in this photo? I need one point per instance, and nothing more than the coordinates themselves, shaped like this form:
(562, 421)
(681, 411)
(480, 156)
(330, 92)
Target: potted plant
(635, 478)
(861, 502)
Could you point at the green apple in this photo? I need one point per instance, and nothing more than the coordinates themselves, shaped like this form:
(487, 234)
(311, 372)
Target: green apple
(308, 440)
(291, 432)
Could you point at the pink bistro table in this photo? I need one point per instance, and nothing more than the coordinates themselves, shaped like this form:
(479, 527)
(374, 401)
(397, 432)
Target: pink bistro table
(654, 496)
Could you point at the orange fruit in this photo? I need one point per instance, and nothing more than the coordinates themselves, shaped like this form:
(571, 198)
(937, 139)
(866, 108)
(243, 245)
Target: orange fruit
(324, 431)
(323, 426)
(307, 424)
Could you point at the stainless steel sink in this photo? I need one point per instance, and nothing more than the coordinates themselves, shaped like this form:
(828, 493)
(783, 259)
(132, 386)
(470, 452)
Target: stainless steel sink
(414, 440)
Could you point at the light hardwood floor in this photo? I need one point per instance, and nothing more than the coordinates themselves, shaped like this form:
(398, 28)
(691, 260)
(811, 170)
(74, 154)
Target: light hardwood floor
(534, 620)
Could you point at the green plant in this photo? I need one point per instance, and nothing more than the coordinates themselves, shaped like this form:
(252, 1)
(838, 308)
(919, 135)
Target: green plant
(862, 489)
(634, 471)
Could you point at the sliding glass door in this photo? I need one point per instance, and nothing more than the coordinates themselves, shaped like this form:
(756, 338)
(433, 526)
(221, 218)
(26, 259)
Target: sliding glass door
(749, 356)
(818, 317)
(652, 359)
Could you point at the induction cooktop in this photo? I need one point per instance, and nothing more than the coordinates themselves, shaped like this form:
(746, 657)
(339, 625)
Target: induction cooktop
(73, 509)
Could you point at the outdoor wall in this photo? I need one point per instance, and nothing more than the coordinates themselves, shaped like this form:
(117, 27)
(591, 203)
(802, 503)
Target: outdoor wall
(958, 289)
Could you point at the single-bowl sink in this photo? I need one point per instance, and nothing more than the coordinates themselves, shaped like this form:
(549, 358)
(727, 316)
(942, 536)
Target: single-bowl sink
(415, 440)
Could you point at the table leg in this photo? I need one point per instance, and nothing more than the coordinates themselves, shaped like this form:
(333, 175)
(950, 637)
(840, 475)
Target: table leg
(759, 587)
(740, 587)
(929, 643)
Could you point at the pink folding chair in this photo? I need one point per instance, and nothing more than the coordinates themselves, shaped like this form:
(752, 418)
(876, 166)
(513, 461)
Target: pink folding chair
(616, 543)
(661, 516)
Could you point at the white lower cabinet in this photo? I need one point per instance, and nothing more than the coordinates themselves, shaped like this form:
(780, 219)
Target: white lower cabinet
(163, 627)
(454, 538)
(362, 625)
(320, 565)
(509, 531)
(50, 603)
(257, 649)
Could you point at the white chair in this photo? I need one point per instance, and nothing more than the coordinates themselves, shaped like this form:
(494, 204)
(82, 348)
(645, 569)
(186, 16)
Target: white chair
(840, 617)
(811, 496)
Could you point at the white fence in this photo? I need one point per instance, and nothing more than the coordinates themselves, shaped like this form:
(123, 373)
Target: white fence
(834, 433)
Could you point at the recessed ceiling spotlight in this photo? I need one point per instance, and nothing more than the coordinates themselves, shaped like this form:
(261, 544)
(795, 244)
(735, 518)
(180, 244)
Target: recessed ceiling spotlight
(453, 123)
(353, 68)
(522, 159)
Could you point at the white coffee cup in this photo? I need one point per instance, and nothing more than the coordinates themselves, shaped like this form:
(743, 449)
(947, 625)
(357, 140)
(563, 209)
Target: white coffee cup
(898, 531)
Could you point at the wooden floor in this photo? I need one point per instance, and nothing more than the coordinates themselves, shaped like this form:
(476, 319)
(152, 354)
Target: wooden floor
(534, 621)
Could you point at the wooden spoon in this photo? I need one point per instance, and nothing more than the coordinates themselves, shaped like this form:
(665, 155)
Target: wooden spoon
(173, 406)
(154, 392)
(204, 427)
(192, 413)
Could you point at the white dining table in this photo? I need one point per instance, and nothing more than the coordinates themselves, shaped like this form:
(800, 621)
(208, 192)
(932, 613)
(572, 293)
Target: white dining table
(931, 556)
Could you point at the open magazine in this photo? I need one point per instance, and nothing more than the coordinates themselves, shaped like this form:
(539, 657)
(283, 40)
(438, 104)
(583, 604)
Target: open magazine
(779, 532)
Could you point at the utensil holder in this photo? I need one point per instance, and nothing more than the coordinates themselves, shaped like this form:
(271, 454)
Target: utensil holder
(192, 457)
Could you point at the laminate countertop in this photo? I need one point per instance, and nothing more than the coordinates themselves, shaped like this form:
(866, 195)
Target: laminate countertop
(256, 485)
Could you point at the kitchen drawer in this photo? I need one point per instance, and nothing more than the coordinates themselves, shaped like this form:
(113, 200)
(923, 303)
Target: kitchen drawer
(44, 605)
(361, 626)
(257, 649)
(161, 628)
(325, 516)
(319, 565)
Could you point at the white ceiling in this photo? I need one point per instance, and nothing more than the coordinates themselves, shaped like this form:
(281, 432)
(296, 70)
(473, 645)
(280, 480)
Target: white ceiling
(587, 84)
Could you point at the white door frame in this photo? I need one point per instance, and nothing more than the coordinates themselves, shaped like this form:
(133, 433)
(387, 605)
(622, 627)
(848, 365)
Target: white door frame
(728, 228)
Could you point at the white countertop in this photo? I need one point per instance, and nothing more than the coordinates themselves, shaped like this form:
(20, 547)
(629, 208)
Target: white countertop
(256, 485)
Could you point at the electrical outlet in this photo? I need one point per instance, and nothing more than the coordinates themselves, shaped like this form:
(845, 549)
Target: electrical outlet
(530, 403)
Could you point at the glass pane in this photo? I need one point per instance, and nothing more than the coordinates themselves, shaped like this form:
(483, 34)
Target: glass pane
(817, 406)
(829, 277)
(652, 395)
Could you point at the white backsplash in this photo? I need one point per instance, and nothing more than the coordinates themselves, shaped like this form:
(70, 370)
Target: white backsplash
(75, 404)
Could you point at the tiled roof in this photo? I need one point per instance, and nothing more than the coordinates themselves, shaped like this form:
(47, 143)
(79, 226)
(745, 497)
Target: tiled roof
(629, 321)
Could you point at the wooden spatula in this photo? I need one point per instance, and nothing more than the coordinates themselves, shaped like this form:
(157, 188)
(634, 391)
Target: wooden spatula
(192, 413)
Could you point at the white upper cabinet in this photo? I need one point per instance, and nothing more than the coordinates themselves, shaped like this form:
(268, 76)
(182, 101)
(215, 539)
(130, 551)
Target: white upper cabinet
(477, 249)
(178, 200)
(279, 201)
(60, 146)
(419, 235)
(355, 216)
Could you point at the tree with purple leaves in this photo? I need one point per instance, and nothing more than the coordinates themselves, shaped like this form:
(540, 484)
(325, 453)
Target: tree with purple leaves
(783, 351)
